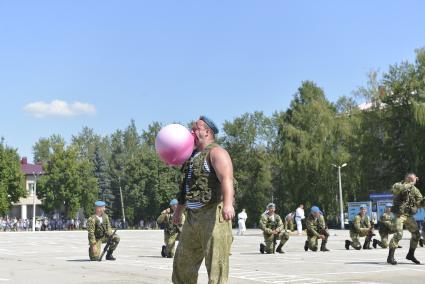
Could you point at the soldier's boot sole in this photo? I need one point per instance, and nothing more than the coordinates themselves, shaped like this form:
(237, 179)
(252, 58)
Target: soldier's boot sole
(411, 256)
(347, 244)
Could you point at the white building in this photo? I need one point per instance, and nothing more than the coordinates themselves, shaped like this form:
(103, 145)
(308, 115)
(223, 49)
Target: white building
(24, 208)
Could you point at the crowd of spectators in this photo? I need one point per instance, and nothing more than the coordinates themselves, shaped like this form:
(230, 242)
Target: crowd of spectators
(13, 224)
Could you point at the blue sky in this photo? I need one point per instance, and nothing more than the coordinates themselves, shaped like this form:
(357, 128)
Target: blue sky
(174, 60)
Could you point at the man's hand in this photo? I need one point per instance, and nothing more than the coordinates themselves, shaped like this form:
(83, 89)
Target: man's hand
(322, 237)
(228, 212)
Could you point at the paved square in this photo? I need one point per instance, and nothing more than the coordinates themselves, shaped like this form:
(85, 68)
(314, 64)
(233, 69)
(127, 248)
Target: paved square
(61, 257)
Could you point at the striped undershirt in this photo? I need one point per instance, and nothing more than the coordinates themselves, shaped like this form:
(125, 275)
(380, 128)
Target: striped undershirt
(196, 204)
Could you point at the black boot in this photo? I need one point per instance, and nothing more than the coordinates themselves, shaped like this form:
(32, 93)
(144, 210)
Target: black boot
(347, 244)
(390, 258)
(279, 248)
(366, 245)
(411, 256)
(109, 256)
(306, 246)
(421, 243)
(323, 246)
(163, 251)
(376, 242)
(262, 248)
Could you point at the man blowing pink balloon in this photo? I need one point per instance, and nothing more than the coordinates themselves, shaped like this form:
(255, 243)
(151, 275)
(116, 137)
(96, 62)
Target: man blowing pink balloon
(207, 195)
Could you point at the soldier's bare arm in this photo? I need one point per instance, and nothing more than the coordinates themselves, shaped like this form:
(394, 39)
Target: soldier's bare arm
(223, 167)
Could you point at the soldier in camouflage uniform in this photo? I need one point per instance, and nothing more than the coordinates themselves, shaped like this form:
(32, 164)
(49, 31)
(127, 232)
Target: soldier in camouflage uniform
(171, 231)
(273, 229)
(361, 227)
(99, 229)
(406, 200)
(316, 229)
(207, 194)
(385, 227)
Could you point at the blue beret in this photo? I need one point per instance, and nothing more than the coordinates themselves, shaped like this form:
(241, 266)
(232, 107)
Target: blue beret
(363, 206)
(210, 123)
(173, 202)
(388, 205)
(271, 205)
(99, 203)
(315, 209)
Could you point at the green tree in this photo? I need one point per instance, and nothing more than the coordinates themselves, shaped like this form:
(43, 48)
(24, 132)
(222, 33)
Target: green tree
(11, 178)
(69, 183)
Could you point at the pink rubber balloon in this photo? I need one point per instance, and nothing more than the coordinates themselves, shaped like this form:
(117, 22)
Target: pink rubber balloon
(174, 144)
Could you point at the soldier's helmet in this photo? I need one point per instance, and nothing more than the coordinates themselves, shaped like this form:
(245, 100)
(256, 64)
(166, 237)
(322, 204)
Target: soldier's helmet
(173, 202)
(388, 205)
(363, 206)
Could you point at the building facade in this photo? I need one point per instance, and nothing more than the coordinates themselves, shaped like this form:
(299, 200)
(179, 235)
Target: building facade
(24, 208)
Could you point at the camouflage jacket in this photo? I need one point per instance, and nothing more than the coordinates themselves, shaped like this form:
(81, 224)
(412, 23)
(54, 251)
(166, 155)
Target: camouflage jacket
(385, 221)
(267, 225)
(96, 230)
(407, 198)
(315, 226)
(166, 219)
(361, 225)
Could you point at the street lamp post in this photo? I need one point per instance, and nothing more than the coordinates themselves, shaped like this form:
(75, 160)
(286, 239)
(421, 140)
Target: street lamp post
(122, 202)
(36, 175)
(340, 193)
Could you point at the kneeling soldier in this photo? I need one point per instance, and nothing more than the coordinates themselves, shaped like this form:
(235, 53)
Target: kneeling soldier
(273, 229)
(316, 229)
(361, 227)
(99, 230)
(171, 231)
(385, 227)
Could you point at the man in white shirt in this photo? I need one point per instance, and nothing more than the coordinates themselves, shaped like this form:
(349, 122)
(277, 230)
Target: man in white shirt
(299, 215)
(241, 222)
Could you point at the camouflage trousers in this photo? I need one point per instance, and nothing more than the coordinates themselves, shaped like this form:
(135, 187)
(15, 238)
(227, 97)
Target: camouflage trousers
(291, 225)
(384, 233)
(355, 241)
(205, 234)
(411, 226)
(283, 237)
(99, 242)
(313, 240)
(170, 243)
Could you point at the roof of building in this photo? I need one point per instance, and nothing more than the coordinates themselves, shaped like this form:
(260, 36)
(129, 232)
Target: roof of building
(29, 169)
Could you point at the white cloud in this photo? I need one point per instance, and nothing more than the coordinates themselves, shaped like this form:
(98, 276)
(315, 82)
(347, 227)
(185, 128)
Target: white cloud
(59, 108)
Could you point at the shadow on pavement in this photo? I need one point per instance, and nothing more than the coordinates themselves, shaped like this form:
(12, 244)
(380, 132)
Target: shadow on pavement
(382, 263)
